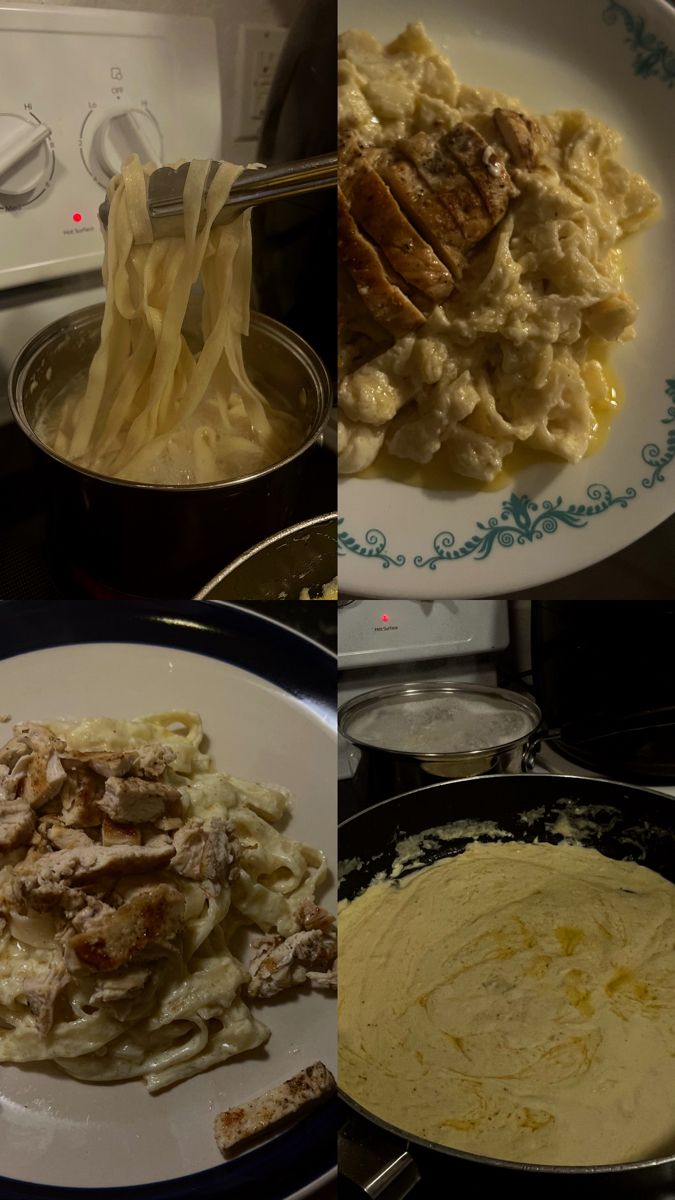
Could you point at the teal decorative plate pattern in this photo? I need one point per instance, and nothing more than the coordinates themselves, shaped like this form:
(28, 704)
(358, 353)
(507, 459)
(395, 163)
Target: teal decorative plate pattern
(617, 61)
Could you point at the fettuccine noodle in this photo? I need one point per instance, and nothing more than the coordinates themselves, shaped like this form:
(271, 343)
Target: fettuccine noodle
(152, 409)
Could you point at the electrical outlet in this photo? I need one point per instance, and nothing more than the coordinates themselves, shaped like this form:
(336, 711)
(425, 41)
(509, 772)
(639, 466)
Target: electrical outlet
(258, 54)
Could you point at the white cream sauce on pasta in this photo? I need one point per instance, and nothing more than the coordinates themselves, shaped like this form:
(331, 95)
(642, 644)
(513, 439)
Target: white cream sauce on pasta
(509, 360)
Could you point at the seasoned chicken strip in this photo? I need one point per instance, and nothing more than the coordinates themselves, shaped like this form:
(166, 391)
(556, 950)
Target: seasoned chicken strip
(88, 863)
(521, 135)
(376, 210)
(482, 165)
(17, 823)
(425, 211)
(263, 1114)
(455, 192)
(381, 295)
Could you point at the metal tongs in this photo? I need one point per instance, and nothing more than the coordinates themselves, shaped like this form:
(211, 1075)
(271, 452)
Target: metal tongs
(253, 186)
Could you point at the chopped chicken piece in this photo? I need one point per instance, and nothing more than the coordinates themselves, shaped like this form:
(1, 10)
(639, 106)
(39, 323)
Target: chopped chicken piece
(153, 914)
(17, 822)
(85, 864)
(63, 836)
(81, 909)
(13, 750)
(120, 985)
(204, 851)
(263, 1114)
(152, 761)
(135, 800)
(521, 136)
(115, 833)
(44, 777)
(40, 993)
(323, 980)
(78, 797)
(102, 762)
(312, 916)
(376, 285)
(280, 963)
(376, 210)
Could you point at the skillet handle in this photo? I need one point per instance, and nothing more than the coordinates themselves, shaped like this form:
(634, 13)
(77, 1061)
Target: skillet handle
(375, 1163)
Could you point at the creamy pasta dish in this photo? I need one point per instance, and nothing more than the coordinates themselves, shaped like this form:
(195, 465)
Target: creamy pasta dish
(516, 1001)
(481, 265)
(153, 408)
(130, 869)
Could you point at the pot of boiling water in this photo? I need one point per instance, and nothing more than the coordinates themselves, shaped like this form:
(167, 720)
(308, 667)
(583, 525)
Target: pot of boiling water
(163, 539)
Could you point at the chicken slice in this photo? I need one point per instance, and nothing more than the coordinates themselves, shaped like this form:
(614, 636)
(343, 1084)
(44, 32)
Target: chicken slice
(63, 836)
(280, 963)
(376, 286)
(482, 165)
(152, 761)
(12, 751)
(79, 795)
(17, 819)
(204, 851)
(521, 135)
(85, 864)
(263, 1114)
(425, 211)
(41, 991)
(152, 915)
(135, 800)
(457, 194)
(376, 210)
(113, 833)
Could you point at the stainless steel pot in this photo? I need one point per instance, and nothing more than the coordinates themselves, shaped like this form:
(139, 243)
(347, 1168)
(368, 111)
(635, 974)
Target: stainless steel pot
(304, 556)
(627, 822)
(386, 771)
(147, 539)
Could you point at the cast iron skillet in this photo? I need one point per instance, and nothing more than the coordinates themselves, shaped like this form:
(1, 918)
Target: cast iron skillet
(367, 845)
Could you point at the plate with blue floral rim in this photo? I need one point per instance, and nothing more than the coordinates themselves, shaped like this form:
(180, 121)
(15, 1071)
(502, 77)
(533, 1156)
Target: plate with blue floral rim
(267, 699)
(616, 61)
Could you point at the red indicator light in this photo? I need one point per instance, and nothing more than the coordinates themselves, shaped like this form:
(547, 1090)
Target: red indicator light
(384, 617)
(77, 216)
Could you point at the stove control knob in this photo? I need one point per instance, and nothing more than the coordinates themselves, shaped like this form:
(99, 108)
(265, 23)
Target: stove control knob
(131, 131)
(26, 158)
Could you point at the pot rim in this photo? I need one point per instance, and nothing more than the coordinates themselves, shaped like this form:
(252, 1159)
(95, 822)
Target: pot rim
(302, 526)
(417, 687)
(84, 316)
(545, 1169)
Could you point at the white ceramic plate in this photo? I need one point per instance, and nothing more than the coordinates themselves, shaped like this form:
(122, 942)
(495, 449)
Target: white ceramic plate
(617, 61)
(268, 712)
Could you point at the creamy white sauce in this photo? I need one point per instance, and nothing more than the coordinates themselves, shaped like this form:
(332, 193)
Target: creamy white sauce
(517, 1001)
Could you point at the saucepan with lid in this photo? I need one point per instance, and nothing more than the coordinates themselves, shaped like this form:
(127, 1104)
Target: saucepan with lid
(409, 735)
(621, 821)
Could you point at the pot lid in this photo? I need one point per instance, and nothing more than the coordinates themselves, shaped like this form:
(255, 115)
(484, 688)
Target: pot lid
(430, 720)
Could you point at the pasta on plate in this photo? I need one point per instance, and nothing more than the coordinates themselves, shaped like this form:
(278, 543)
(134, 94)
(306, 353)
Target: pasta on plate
(132, 875)
(153, 409)
(475, 316)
